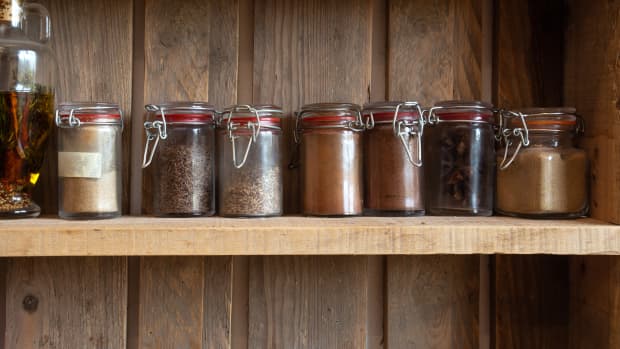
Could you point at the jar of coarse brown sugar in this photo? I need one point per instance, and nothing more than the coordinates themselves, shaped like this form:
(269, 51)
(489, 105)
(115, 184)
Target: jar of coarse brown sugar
(541, 173)
(330, 139)
(393, 159)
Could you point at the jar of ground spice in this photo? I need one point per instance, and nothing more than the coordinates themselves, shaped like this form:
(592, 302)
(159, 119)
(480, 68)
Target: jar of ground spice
(89, 160)
(181, 145)
(393, 159)
(541, 174)
(249, 141)
(330, 140)
(460, 158)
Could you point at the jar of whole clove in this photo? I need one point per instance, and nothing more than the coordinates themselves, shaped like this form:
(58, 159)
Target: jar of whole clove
(330, 141)
(461, 143)
(541, 173)
(393, 159)
(89, 160)
(181, 145)
(249, 141)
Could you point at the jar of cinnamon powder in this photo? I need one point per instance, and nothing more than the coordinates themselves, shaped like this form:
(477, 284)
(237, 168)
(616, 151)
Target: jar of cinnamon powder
(330, 140)
(393, 159)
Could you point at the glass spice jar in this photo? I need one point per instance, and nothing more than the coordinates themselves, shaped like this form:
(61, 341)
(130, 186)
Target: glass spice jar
(393, 159)
(541, 173)
(183, 156)
(249, 141)
(89, 160)
(461, 143)
(330, 142)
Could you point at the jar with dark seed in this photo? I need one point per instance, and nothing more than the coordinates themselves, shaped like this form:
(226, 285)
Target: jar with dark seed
(249, 140)
(181, 145)
(460, 153)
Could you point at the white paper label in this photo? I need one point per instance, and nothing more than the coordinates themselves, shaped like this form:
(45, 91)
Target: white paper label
(81, 165)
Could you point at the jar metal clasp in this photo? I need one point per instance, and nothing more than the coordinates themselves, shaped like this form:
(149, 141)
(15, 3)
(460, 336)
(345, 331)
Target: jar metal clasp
(155, 130)
(403, 129)
(522, 132)
(254, 128)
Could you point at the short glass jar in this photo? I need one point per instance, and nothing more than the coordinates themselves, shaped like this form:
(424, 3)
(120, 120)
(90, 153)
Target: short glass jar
(89, 160)
(331, 161)
(393, 159)
(181, 144)
(249, 142)
(460, 153)
(541, 173)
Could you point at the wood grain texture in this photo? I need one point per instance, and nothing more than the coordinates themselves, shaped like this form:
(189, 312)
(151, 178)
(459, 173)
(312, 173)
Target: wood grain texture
(191, 54)
(532, 302)
(432, 302)
(308, 302)
(435, 50)
(66, 303)
(92, 67)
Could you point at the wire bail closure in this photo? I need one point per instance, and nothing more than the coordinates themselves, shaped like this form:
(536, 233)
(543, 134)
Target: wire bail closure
(254, 128)
(522, 132)
(356, 126)
(74, 121)
(155, 130)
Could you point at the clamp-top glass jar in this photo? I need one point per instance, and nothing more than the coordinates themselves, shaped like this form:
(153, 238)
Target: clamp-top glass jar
(89, 160)
(27, 79)
(249, 140)
(541, 174)
(461, 143)
(393, 158)
(183, 156)
(330, 139)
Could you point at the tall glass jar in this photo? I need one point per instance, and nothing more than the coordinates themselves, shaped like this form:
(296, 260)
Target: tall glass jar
(181, 145)
(249, 141)
(330, 139)
(89, 160)
(460, 153)
(393, 159)
(541, 173)
(27, 79)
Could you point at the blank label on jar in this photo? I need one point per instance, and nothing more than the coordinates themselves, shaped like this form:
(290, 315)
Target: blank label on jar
(79, 165)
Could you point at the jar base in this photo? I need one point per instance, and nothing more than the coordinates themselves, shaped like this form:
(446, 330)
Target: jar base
(331, 215)
(184, 214)
(267, 215)
(545, 215)
(389, 213)
(88, 215)
(31, 211)
(459, 212)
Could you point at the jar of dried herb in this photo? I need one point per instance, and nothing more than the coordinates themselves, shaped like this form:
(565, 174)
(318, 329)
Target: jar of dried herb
(541, 173)
(249, 141)
(461, 143)
(89, 160)
(393, 159)
(330, 144)
(181, 145)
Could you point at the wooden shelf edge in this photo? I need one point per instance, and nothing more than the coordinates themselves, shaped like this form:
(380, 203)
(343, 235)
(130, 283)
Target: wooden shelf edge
(145, 236)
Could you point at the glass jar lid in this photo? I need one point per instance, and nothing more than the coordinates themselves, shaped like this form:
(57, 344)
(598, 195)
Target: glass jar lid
(462, 111)
(76, 114)
(544, 119)
(329, 113)
(267, 115)
(386, 112)
(182, 112)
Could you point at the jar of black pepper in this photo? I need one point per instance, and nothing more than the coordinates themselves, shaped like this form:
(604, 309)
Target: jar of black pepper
(460, 153)
(541, 173)
(393, 159)
(181, 145)
(249, 141)
(89, 160)
(330, 144)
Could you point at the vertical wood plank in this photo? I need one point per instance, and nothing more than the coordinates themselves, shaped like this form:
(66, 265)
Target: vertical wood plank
(217, 302)
(92, 67)
(435, 53)
(308, 302)
(66, 302)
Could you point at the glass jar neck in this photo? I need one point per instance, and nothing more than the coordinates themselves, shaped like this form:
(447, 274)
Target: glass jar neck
(552, 139)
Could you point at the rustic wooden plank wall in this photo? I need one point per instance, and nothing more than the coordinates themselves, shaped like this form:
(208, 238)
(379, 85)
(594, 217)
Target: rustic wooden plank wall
(593, 86)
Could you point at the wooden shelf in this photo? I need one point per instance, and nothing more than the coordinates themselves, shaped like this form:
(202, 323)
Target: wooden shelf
(128, 236)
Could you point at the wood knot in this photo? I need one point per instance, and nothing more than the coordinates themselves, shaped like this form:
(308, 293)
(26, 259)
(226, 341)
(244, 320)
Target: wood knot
(30, 303)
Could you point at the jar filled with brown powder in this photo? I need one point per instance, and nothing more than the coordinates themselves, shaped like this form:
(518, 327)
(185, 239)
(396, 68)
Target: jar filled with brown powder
(89, 160)
(181, 145)
(249, 141)
(393, 159)
(330, 140)
(541, 174)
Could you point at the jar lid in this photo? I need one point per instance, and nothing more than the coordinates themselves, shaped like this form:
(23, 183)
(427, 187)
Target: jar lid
(384, 112)
(183, 112)
(242, 114)
(545, 119)
(330, 114)
(462, 111)
(75, 114)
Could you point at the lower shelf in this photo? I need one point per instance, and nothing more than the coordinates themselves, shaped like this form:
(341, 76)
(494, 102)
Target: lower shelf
(147, 236)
